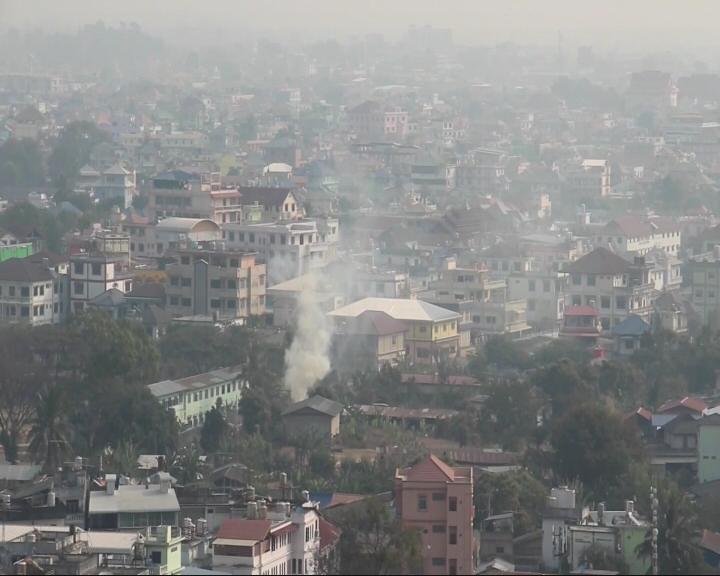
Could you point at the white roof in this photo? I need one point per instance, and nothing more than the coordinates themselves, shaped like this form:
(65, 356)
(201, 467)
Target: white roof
(407, 309)
(177, 224)
(15, 531)
(590, 163)
(129, 498)
(277, 167)
(109, 542)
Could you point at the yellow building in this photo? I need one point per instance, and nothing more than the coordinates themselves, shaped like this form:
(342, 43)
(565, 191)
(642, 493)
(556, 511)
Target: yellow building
(431, 331)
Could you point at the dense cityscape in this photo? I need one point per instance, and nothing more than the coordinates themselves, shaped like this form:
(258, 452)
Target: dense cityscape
(360, 304)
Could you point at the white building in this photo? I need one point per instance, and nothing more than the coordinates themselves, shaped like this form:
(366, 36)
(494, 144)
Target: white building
(91, 275)
(273, 542)
(635, 236)
(290, 249)
(32, 291)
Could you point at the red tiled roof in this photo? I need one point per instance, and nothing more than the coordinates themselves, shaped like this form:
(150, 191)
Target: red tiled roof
(710, 541)
(430, 469)
(643, 413)
(583, 310)
(329, 533)
(340, 498)
(241, 529)
(694, 404)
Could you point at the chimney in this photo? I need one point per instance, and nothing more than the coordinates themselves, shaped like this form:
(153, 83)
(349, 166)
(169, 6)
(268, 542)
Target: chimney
(252, 510)
(110, 484)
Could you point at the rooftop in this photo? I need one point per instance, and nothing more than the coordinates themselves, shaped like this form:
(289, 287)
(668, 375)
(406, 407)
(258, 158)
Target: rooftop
(197, 382)
(134, 498)
(24, 270)
(599, 261)
(317, 403)
(407, 309)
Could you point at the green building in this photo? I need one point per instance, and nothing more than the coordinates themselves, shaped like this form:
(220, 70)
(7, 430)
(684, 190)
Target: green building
(16, 251)
(708, 447)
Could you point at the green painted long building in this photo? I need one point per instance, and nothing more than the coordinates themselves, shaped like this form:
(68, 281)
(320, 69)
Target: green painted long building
(16, 251)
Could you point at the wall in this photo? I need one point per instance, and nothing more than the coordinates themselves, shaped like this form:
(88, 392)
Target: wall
(708, 453)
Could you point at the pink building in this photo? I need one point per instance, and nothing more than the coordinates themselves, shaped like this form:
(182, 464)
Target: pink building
(437, 500)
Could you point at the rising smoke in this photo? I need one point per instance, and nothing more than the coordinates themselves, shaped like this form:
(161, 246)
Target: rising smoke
(307, 360)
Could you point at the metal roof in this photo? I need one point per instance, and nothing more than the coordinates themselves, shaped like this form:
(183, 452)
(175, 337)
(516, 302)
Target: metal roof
(196, 382)
(133, 498)
(398, 308)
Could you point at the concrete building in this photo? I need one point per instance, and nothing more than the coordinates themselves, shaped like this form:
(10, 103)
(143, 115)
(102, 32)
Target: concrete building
(431, 331)
(93, 274)
(316, 416)
(708, 446)
(154, 240)
(225, 284)
(560, 512)
(372, 339)
(281, 540)
(544, 294)
(632, 235)
(614, 286)
(591, 179)
(116, 184)
(180, 193)
(191, 398)
(437, 500)
(290, 248)
(704, 279)
(129, 507)
(272, 204)
(33, 290)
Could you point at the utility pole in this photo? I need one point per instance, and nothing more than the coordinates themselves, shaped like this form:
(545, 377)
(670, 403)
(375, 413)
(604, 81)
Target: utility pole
(654, 508)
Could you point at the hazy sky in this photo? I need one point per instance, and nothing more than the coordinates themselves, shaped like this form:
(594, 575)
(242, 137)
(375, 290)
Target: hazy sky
(655, 23)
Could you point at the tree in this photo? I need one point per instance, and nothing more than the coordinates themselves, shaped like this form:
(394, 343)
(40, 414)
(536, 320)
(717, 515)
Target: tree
(624, 382)
(564, 384)
(600, 558)
(509, 415)
(677, 531)
(21, 164)
(213, 430)
(595, 445)
(504, 353)
(72, 151)
(49, 432)
(373, 542)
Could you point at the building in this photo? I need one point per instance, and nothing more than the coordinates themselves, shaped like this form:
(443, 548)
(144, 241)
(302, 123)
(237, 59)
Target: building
(437, 500)
(33, 290)
(560, 512)
(93, 274)
(544, 294)
(366, 121)
(174, 232)
(129, 507)
(281, 540)
(628, 334)
(315, 416)
(371, 339)
(180, 193)
(289, 248)
(631, 235)
(225, 284)
(432, 331)
(708, 444)
(191, 398)
(581, 322)
(670, 313)
(284, 297)
(116, 183)
(614, 286)
(592, 179)
(704, 279)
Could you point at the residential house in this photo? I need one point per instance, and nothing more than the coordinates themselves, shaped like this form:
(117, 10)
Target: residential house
(315, 416)
(632, 235)
(670, 313)
(544, 294)
(93, 274)
(283, 297)
(591, 179)
(281, 540)
(628, 334)
(180, 193)
(33, 290)
(581, 322)
(614, 286)
(191, 398)
(225, 284)
(704, 278)
(116, 183)
(437, 500)
(366, 121)
(173, 232)
(129, 507)
(370, 339)
(708, 445)
(431, 331)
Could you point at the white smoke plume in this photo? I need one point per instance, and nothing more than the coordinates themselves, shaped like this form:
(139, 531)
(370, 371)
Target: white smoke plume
(307, 360)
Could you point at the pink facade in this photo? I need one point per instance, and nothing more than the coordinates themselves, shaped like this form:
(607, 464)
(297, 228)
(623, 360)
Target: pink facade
(437, 500)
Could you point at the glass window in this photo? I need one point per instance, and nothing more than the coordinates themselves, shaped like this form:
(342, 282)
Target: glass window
(576, 279)
(452, 504)
(591, 279)
(25, 291)
(96, 269)
(452, 535)
(422, 502)
(438, 561)
(438, 528)
(216, 284)
(531, 285)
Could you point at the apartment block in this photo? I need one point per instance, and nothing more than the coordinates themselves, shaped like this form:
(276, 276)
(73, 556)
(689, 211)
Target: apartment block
(437, 500)
(92, 274)
(225, 284)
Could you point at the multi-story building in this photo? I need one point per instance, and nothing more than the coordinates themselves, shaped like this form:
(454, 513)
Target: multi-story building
(193, 397)
(370, 339)
(280, 540)
(396, 123)
(437, 500)
(290, 248)
(366, 121)
(91, 274)
(33, 290)
(431, 330)
(180, 193)
(116, 183)
(635, 236)
(225, 284)
(704, 277)
(255, 203)
(614, 286)
(544, 294)
(592, 179)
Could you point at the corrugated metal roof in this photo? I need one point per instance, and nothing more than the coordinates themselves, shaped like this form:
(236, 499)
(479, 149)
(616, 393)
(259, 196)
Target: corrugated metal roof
(406, 309)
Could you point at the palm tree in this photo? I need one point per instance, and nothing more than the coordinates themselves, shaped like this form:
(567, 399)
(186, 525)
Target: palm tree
(49, 429)
(677, 530)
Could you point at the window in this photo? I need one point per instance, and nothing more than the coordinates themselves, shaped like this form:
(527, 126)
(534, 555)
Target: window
(422, 502)
(452, 535)
(621, 302)
(591, 279)
(185, 260)
(186, 302)
(96, 269)
(214, 303)
(452, 504)
(438, 528)
(232, 304)
(78, 288)
(11, 290)
(232, 284)
(490, 319)
(25, 291)
(438, 561)
(605, 322)
(423, 353)
(531, 285)
(576, 300)
(576, 279)
(252, 237)
(531, 304)
(605, 301)
(452, 566)
(174, 280)
(216, 284)
(423, 329)
(546, 285)
(185, 282)
(156, 557)
(78, 267)
(24, 311)
(174, 300)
